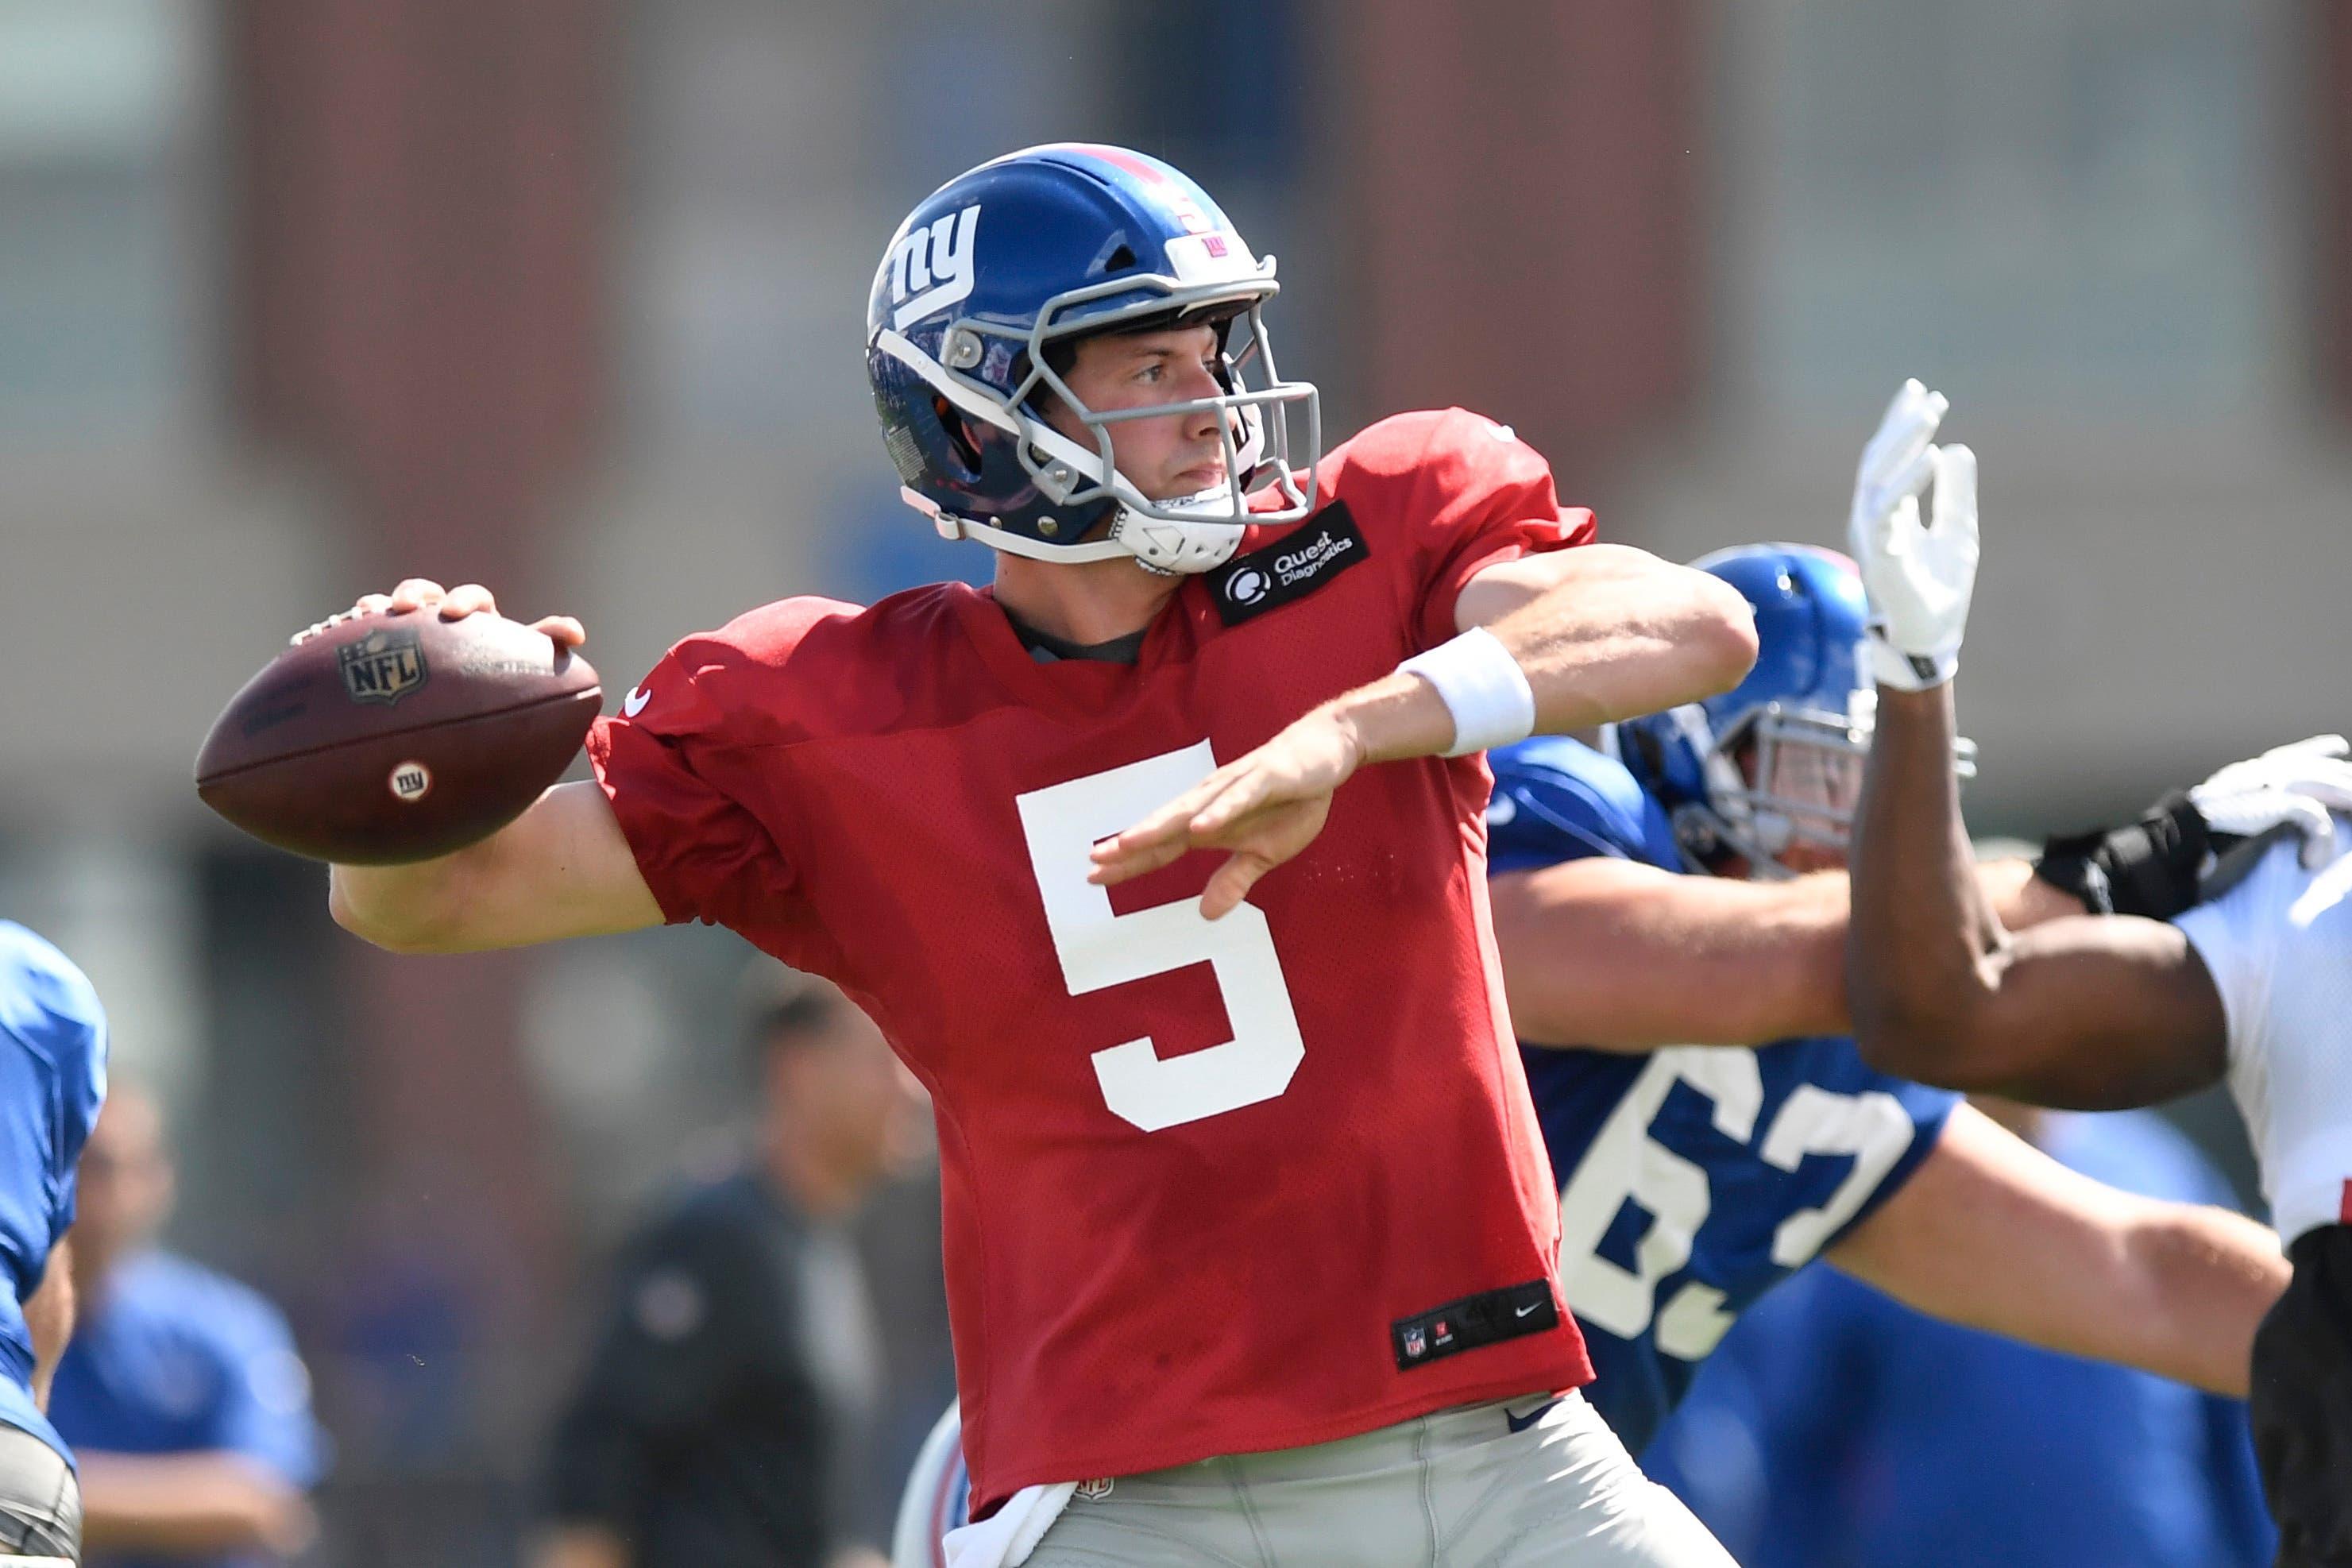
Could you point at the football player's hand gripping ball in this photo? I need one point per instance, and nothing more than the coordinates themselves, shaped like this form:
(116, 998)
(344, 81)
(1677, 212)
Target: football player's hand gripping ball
(2292, 787)
(1919, 573)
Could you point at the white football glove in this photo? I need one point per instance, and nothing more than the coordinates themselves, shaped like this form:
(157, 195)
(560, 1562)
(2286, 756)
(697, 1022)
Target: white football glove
(1919, 575)
(2295, 787)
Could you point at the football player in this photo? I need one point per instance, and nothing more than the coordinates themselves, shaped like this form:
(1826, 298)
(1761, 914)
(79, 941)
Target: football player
(1671, 901)
(1238, 1161)
(2251, 986)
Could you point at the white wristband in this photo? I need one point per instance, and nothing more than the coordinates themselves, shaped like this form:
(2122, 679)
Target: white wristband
(1483, 687)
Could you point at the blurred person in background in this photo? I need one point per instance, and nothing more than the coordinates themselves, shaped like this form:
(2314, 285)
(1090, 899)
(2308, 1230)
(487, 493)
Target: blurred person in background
(724, 1417)
(52, 1083)
(181, 1393)
(1837, 1427)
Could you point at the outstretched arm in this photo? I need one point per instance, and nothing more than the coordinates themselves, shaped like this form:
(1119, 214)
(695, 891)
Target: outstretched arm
(2080, 1013)
(1993, 1233)
(1625, 956)
(1603, 633)
(1587, 635)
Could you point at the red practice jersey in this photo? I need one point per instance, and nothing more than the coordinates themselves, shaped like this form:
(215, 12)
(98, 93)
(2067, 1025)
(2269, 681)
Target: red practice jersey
(1208, 1188)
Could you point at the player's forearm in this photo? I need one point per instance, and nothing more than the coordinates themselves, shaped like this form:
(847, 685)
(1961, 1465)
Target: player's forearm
(562, 869)
(188, 1503)
(1613, 632)
(1924, 941)
(417, 908)
(1992, 1234)
(1623, 956)
(1601, 634)
(2173, 1288)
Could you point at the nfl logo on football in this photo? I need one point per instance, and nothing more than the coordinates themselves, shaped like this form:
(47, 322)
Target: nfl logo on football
(383, 666)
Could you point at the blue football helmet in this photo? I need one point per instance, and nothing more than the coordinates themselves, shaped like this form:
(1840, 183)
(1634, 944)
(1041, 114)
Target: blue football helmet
(1042, 246)
(1776, 762)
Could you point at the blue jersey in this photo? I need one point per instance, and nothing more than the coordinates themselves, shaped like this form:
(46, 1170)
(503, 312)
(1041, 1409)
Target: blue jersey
(1693, 1178)
(52, 1082)
(172, 1359)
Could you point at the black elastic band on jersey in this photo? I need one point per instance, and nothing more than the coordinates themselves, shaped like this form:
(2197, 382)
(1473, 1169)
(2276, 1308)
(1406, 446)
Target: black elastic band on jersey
(2145, 867)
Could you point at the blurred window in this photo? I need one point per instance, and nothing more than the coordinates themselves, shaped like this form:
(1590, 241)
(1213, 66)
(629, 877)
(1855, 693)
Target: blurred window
(100, 105)
(2074, 203)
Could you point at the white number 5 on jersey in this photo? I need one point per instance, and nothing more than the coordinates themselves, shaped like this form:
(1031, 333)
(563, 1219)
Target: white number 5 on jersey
(1100, 948)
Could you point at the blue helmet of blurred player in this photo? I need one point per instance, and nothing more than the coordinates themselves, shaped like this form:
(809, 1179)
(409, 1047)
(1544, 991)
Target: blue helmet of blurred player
(1763, 780)
(972, 318)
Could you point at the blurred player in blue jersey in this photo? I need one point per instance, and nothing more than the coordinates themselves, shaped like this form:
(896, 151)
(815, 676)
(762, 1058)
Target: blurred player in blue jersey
(181, 1392)
(52, 1082)
(1670, 911)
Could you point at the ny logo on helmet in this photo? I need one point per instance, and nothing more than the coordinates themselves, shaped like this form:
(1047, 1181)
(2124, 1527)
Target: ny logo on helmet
(931, 268)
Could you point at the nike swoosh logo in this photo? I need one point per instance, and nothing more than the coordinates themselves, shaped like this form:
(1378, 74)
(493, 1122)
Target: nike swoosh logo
(1523, 1311)
(635, 702)
(1521, 1423)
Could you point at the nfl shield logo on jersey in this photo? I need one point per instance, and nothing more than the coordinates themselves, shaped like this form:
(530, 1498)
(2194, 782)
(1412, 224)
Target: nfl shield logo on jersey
(1094, 1491)
(1415, 1342)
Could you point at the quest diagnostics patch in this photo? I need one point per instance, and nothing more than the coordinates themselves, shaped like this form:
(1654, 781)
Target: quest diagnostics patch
(1292, 567)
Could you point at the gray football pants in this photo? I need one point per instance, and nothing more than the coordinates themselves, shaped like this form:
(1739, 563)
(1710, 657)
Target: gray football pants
(1458, 1487)
(40, 1502)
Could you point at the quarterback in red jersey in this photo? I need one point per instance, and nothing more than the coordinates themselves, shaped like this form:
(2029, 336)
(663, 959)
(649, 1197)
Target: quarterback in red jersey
(1236, 1161)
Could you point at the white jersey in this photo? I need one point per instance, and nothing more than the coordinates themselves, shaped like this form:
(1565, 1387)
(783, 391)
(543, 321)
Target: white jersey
(2279, 945)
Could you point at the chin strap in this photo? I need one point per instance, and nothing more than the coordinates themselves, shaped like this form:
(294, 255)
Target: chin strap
(949, 526)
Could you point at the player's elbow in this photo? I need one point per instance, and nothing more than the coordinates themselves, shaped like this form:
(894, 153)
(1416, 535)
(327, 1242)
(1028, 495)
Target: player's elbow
(2202, 1279)
(1722, 634)
(1933, 1037)
(1706, 632)
(1923, 1011)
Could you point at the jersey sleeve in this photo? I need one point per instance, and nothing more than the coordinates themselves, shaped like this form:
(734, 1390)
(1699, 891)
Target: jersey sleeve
(1556, 799)
(702, 851)
(1471, 494)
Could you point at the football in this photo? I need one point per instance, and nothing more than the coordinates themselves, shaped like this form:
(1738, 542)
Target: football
(392, 738)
